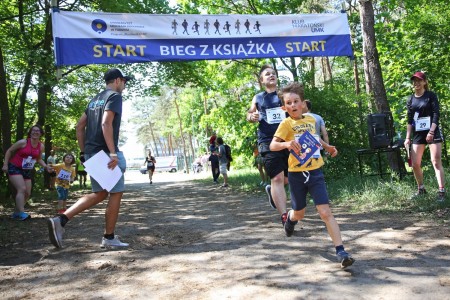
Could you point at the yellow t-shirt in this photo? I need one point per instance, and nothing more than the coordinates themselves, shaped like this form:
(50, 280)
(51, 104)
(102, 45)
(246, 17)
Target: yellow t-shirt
(64, 175)
(287, 130)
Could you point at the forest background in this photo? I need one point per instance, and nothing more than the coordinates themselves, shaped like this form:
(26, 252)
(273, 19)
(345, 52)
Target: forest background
(178, 105)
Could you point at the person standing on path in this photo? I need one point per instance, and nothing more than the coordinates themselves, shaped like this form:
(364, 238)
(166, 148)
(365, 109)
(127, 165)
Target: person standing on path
(81, 173)
(306, 178)
(97, 130)
(19, 163)
(51, 160)
(266, 110)
(214, 159)
(223, 161)
(423, 128)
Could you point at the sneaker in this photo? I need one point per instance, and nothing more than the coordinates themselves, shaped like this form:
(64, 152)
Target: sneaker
(345, 259)
(283, 218)
(420, 192)
(55, 231)
(269, 194)
(224, 186)
(22, 216)
(441, 196)
(115, 242)
(151, 182)
(289, 225)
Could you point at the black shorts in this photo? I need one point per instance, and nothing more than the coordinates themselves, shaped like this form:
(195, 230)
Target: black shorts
(276, 162)
(420, 137)
(81, 172)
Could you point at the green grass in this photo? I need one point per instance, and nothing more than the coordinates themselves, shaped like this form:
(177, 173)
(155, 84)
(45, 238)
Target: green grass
(360, 194)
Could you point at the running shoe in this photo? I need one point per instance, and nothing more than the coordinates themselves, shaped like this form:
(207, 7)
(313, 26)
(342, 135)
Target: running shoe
(55, 231)
(283, 218)
(115, 242)
(289, 226)
(269, 195)
(344, 259)
(441, 196)
(420, 192)
(21, 216)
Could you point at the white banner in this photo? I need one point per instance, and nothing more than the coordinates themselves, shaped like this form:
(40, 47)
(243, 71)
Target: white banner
(101, 38)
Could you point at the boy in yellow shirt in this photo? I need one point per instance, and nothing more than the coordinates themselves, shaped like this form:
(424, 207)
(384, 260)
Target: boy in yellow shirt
(65, 174)
(307, 177)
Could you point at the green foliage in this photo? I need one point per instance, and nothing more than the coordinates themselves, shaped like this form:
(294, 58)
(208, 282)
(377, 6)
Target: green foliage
(367, 194)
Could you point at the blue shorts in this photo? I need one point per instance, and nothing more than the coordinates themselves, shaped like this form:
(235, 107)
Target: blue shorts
(315, 185)
(62, 193)
(14, 171)
(120, 185)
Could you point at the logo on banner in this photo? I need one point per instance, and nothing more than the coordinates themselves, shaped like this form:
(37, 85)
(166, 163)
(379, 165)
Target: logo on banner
(99, 26)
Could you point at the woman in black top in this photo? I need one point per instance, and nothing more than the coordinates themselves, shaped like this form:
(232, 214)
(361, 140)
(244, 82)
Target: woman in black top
(422, 129)
(150, 161)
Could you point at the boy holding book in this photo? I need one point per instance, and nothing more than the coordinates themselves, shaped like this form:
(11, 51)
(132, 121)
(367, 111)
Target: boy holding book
(306, 177)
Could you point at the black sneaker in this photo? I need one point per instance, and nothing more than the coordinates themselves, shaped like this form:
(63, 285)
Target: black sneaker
(420, 192)
(345, 259)
(269, 194)
(289, 226)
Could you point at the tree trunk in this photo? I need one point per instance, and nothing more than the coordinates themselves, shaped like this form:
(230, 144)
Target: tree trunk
(371, 56)
(5, 116)
(20, 120)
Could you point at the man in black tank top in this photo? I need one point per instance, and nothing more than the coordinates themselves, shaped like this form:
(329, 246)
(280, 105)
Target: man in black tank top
(266, 110)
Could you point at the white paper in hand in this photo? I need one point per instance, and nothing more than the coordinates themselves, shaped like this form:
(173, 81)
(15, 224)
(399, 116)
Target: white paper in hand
(97, 167)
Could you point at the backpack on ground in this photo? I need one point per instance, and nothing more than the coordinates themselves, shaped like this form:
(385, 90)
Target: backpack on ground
(228, 152)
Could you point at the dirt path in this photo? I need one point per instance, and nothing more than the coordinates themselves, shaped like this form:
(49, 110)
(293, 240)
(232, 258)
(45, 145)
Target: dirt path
(197, 241)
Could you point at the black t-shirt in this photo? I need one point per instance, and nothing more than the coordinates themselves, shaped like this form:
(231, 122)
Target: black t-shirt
(426, 105)
(106, 100)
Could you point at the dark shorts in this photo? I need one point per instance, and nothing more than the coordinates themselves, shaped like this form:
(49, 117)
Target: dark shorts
(276, 162)
(15, 171)
(82, 172)
(315, 186)
(420, 137)
(52, 174)
(151, 169)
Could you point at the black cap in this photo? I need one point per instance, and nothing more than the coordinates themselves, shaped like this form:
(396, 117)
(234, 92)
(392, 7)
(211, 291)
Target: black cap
(115, 73)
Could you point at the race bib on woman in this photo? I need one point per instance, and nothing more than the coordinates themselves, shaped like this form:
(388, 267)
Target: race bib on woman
(423, 124)
(28, 163)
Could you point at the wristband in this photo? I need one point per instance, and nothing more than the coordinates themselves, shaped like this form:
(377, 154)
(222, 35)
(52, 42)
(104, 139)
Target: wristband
(113, 154)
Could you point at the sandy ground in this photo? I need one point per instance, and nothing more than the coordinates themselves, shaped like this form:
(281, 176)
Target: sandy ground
(198, 241)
